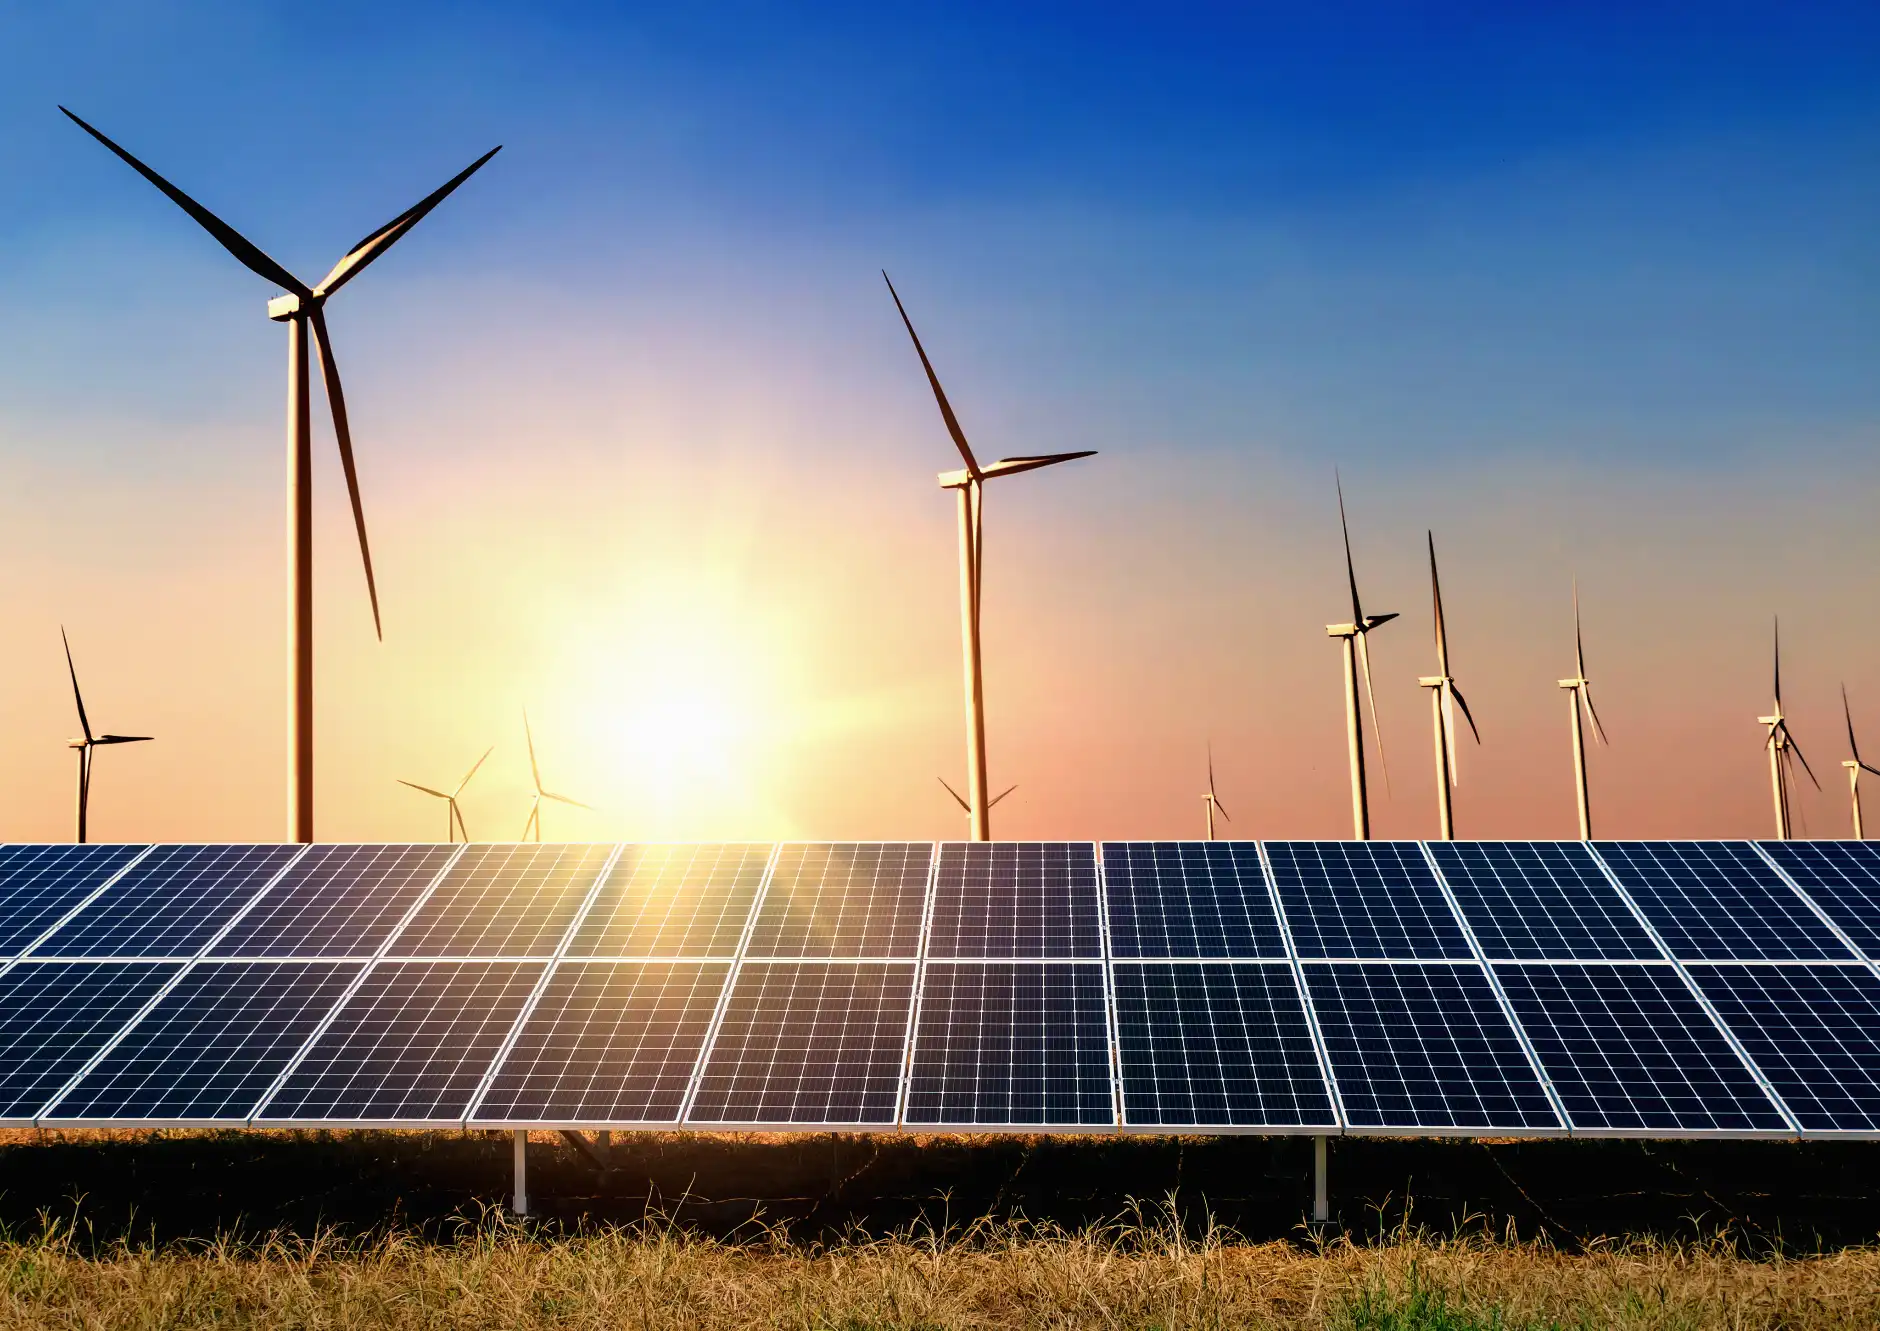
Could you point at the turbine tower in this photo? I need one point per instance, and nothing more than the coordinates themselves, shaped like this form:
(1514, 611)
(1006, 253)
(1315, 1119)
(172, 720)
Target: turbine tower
(1445, 697)
(453, 815)
(300, 307)
(1854, 766)
(1358, 662)
(967, 809)
(89, 742)
(1580, 698)
(1784, 752)
(534, 823)
(969, 484)
(1211, 799)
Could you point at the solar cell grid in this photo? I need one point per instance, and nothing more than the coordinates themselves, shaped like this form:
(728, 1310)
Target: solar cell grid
(1843, 878)
(1003, 1043)
(38, 884)
(169, 903)
(504, 901)
(54, 1016)
(1424, 1047)
(608, 1043)
(411, 1045)
(674, 901)
(1002, 899)
(1719, 901)
(1189, 899)
(844, 899)
(1364, 899)
(211, 1047)
(1541, 901)
(1815, 1033)
(1217, 1045)
(336, 901)
(808, 1043)
(1629, 1049)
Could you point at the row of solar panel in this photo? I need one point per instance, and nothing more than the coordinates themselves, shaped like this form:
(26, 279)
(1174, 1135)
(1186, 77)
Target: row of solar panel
(1442, 1043)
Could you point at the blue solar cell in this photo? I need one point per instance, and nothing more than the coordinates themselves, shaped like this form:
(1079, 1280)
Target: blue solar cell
(169, 903)
(211, 1047)
(1189, 899)
(1011, 1043)
(38, 884)
(508, 900)
(1217, 1045)
(1843, 878)
(1815, 1033)
(1719, 901)
(844, 899)
(336, 901)
(1424, 1047)
(674, 901)
(1628, 1048)
(1540, 901)
(54, 1016)
(1364, 899)
(1001, 899)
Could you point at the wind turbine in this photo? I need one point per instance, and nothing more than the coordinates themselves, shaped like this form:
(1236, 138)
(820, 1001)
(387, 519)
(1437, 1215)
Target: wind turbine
(534, 824)
(1445, 697)
(970, 486)
(1783, 750)
(302, 306)
(89, 742)
(966, 808)
(1854, 766)
(1581, 698)
(1211, 799)
(453, 815)
(1358, 661)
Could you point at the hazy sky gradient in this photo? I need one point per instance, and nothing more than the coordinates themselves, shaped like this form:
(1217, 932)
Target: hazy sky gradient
(644, 447)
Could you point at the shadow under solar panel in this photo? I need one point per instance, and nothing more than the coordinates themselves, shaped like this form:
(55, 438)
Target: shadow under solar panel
(1189, 899)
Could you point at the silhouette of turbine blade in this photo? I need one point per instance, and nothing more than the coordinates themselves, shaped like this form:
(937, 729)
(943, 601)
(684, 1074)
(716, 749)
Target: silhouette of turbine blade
(426, 789)
(1848, 712)
(336, 398)
(1377, 731)
(123, 739)
(1001, 795)
(473, 771)
(563, 799)
(1012, 466)
(957, 798)
(939, 393)
(1463, 703)
(1351, 572)
(1436, 597)
(1800, 757)
(83, 723)
(393, 231)
(1586, 696)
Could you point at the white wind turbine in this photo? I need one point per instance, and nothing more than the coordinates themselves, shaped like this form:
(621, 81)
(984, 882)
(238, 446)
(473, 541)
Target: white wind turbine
(534, 823)
(453, 815)
(966, 808)
(1212, 800)
(90, 741)
(1581, 698)
(1854, 766)
(1358, 662)
(1445, 697)
(1784, 752)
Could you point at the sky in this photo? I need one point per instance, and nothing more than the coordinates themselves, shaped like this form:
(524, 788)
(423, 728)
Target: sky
(1585, 291)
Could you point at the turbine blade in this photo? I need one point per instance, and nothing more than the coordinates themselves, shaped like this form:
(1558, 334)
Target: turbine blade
(426, 789)
(1377, 731)
(472, 772)
(1351, 573)
(1377, 621)
(1436, 596)
(123, 739)
(939, 393)
(1221, 809)
(233, 241)
(1001, 795)
(393, 231)
(1586, 696)
(336, 398)
(456, 815)
(1463, 703)
(1800, 756)
(957, 798)
(977, 499)
(1579, 647)
(77, 697)
(1211, 773)
(1449, 733)
(1848, 712)
(1012, 466)
(563, 799)
(1869, 767)
(1778, 663)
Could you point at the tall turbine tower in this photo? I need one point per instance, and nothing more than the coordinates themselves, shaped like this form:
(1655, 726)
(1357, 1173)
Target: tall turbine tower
(967, 809)
(1854, 766)
(1784, 752)
(969, 484)
(534, 824)
(1358, 662)
(1581, 697)
(1211, 799)
(89, 742)
(300, 307)
(453, 814)
(1445, 697)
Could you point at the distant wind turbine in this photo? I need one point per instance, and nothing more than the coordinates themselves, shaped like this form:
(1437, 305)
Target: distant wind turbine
(453, 815)
(89, 742)
(1211, 799)
(1854, 766)
(304, 305)
(967, 809)
(1445, 697)
(970, 485)
(534, 824)
(1358, 662)
(1784, 752)
(1581, 698)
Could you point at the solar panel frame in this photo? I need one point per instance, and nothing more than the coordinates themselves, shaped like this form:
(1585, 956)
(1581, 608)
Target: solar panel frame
(59, 993)
(367, 888)
(517, 900)
(100, 865)
(1719, 901)
(968, 921)
(883, 920)
(1539, 901)
(1142, 909)
(1376, 916)
(128, 921)
(736, 900)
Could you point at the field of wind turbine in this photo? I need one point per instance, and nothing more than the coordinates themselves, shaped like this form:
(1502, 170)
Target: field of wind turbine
(454, 825)
(1211, 800)
(1855, 766)
(532, 827)
(87, 744)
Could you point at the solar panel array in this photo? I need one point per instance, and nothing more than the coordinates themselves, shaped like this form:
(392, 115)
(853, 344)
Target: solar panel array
(1471, 988)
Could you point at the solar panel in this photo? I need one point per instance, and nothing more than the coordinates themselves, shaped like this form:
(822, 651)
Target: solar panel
(608, 1043)
(1016, 899)
(1217, 1045)
(1189, 899)
(503, 901)
(1815, 1033)
(1843, 878)
(211, 1047)
(1011, 1044)
(844, 900)
(169, 903)
(336, 901)
(674, 901)
(1540, 901)
(808, 1043)
(1424, 1047)
(55, 1016)
(1629, 1049)
(38, 884)
(1719, 901)
(1363, 899)
(411, 1046)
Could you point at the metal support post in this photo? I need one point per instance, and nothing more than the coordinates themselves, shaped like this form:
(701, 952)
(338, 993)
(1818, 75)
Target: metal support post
(520, 1203)
(1321, 1198)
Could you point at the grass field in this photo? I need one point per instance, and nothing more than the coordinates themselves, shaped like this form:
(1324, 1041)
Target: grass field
(398, 1230)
